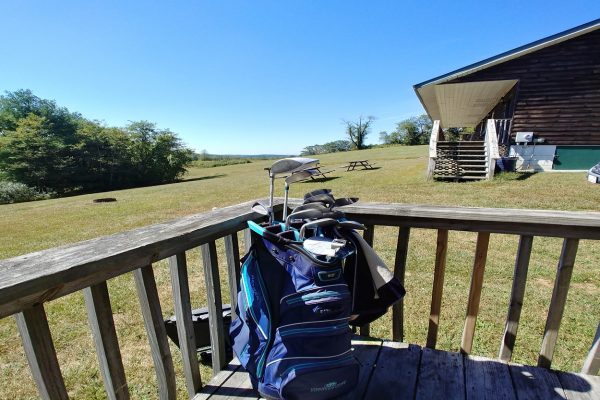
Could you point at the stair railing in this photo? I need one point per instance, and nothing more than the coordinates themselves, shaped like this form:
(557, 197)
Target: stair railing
(433, 139)
(491, 147)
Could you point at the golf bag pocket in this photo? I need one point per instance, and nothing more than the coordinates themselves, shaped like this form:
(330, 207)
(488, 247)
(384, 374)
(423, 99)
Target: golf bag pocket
(251, 331)
(311, 360)
(325, 302)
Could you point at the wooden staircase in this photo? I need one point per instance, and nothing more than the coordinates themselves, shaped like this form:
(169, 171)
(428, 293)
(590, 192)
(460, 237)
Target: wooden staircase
(465, 160)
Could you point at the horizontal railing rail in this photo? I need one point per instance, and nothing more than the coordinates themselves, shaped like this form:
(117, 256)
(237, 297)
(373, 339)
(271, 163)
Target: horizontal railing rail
(28, 282)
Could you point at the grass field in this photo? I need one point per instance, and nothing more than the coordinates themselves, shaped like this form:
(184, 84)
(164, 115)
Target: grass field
(400, 178)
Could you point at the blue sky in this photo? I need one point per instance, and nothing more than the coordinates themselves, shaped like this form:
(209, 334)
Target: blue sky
(250, 77)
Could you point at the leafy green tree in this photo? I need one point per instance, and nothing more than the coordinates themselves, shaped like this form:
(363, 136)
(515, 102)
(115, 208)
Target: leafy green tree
(32, 154)
(357, 131)
(158, 156)
(411, 131)
(48, 148)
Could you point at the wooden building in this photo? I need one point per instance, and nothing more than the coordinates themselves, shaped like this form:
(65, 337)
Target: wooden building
(548, 90)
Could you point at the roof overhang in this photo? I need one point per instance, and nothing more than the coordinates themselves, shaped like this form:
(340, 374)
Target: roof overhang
(462, 104)
(514, 53)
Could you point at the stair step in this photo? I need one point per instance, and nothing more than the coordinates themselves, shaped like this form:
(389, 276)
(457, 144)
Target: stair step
(478, 142)
(461, 177)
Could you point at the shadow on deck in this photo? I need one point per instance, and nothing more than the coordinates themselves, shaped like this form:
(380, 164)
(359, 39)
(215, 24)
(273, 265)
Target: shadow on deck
(392, 370)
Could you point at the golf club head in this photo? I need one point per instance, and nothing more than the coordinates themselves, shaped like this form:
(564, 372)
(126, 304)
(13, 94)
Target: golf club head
(316, 192)
(317, 223)
(288, 165)
(352, 225)
(308, 206)
(261, 208)
(345, 201)
(326, 199)
(299, 176)
(309, 213)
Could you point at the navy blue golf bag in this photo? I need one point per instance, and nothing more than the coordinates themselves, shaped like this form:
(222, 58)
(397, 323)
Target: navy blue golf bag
(294, 308)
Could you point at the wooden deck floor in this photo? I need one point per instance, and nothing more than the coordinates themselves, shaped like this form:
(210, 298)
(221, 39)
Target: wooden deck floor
(391, 370)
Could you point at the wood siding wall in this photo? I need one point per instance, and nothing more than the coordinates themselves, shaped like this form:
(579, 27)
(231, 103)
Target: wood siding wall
(558, 94)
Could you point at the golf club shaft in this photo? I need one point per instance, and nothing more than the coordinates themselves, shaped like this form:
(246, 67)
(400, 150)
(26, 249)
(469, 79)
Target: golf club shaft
(271, 188)
(285, 202)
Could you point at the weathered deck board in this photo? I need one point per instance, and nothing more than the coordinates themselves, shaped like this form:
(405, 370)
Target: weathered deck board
(535, 383)
(395, 375)
(580, 386)
(441, 375)
(487, 379)
(366, 352)
(392, 370)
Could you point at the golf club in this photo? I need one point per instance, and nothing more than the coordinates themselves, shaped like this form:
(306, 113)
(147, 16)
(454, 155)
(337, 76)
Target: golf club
(283, 167)
(318, 222)
(294, 177)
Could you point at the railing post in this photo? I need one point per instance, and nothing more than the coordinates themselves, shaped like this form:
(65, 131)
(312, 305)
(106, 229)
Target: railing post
(155, 329)
(101, 320)
(438, 287)
(368, 235)
(433, 139)
(40, 352)
(516, 298)
(215, 306)
(400, 272)
(591, 365)
(183, 316)
(491, 146)
(558, 301)
(483, 240)
(232, 253)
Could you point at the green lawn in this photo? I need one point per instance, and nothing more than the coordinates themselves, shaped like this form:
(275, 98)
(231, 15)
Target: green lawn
(400, 178)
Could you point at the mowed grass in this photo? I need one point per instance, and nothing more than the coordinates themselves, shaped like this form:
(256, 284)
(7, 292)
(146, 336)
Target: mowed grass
(400, 178)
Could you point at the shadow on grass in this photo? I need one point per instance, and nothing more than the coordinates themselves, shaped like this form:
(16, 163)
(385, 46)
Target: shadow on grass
(202, 178)
(322, 179)
(514, 176)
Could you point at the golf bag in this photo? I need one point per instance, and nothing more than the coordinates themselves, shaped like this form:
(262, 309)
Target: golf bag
(294, 308)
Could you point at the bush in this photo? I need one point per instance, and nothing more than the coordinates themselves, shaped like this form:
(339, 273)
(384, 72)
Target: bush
(13, 192)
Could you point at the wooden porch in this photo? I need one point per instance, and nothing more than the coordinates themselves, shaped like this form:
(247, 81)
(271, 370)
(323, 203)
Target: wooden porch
(392, 370)
(29, 282)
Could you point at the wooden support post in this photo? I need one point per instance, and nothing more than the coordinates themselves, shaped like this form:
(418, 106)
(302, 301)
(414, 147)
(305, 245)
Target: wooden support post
(516, 298)
(247, 239)
(101, 321)
(438, 287)
(155, 329)
(400, 273)
(558, 301)
(40, 352)
(183, 316)
(232, 253)
(368, 235)
(591, 365)
(215, 306)
(483, 240)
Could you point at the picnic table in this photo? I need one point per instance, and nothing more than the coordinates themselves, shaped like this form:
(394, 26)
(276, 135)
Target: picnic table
(317, 172)
(359, 163)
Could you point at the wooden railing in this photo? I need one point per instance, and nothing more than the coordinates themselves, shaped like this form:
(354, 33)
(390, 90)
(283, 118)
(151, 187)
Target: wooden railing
(28, 282)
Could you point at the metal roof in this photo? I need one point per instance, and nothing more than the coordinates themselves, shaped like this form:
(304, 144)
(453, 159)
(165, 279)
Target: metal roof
(515, 53)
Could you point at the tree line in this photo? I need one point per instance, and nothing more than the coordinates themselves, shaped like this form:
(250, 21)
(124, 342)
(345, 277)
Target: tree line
(409, 132)
(52, 149)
